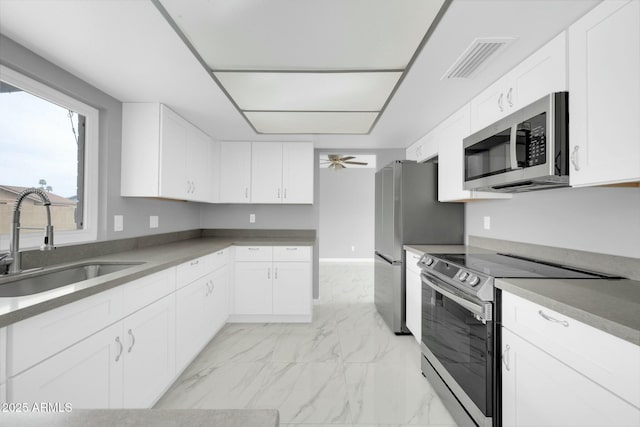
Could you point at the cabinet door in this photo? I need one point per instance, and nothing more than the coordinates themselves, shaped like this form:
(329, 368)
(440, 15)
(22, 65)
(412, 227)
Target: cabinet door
(604, 100)
(489, 106)
(292, 288)
(266, 172)
(149, 339)
(297, 172)
(173, 155)
(253, 288)
(217, 305)
(191, 333)
(538, 390)
(87, 374)
(235, 172)
(214, 165)
(540, 74)
(199, 168)
(414, 302)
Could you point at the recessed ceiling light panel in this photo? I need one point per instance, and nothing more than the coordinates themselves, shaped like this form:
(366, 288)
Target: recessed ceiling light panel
(311, 122)
(348, 91)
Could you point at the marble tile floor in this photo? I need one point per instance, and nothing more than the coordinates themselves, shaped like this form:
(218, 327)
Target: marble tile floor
(344, 369)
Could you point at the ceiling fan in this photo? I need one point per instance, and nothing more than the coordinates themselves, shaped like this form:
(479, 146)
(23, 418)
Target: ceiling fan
(336, 162)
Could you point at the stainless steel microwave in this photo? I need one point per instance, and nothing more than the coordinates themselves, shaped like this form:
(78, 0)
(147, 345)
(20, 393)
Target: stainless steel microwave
(525, 151)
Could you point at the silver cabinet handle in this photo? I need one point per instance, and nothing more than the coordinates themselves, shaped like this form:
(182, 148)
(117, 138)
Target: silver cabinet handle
(121, 348)
(268, 273)
(253, 249)
(194, 262)
(188, 187)
(246, 193)
(133, 341)
(574, 158)
(554, 320)
(194, 186)
(510, 97)
(500, 102)
(208, 290)
(292, 249)
(278, 193)
(505, 358)
(285, 193)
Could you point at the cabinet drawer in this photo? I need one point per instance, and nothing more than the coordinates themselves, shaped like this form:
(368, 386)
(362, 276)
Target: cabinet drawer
(412, 262)
(146, 290)
(36, 338)
(254, 253)
(220, 259)
(292, 253)
(604, 358)
(192, 270)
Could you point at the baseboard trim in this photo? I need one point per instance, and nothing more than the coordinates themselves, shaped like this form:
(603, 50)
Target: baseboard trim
(346, 259)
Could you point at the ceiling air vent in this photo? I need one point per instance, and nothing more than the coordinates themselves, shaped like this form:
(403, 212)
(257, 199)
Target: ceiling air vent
(474, 56)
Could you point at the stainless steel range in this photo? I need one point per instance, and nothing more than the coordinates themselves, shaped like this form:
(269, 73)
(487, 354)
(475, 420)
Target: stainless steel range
(459, 328)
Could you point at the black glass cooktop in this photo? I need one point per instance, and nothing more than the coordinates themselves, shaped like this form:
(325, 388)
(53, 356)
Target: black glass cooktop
(511, 266)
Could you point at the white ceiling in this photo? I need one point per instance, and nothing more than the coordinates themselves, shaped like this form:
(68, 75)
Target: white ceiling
(127, 49)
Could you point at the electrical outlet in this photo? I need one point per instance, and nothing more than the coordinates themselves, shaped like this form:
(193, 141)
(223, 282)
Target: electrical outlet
(154, 221)
(252, 218)
(487, 223)
(118, 223)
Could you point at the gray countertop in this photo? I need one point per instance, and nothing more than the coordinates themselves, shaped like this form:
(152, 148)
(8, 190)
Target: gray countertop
(154, 259)
(612, 306)
(435, 249)
(146, 418)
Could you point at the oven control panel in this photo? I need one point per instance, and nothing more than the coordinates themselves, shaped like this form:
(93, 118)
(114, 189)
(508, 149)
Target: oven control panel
(467, 280)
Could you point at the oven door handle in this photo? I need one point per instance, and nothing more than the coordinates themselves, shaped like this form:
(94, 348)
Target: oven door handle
(436, 284)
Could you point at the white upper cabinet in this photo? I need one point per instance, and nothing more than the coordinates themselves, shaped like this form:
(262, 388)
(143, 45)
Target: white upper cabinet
(282, 172)
(297, 172)
(543, 72)
(604, 100)
(235, 172)
(450, 134)
(423, 149)
(266, 172)
(163, 155)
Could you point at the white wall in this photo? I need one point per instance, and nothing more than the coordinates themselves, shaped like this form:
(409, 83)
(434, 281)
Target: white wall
(347, 213)
(600, 219)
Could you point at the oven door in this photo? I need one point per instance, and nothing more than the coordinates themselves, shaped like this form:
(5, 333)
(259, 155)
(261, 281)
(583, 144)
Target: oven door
(457, 331)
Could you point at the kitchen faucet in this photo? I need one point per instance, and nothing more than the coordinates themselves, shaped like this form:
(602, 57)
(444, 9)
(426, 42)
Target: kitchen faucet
(12, 258)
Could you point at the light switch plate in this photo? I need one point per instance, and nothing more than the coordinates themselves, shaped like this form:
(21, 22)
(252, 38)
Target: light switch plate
(487, 223)
(252, 218)
(118, 223)
(153, 221)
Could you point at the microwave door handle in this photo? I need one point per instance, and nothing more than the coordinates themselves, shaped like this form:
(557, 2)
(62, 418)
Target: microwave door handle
(513, 155)
(469, 305)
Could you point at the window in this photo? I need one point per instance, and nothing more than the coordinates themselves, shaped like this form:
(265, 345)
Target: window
(47, 140)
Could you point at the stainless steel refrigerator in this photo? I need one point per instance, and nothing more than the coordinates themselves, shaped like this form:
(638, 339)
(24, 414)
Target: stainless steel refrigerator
(407, 212)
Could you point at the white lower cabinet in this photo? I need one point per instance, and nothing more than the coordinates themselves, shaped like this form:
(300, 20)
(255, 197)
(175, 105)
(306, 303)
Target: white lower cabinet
(413, 299)
(291, 290)
(253, 289)
(558, 371)
(272, 284)
(539, 390)
(201, 310)
(87, 375)
(149, 358)
(128, 364)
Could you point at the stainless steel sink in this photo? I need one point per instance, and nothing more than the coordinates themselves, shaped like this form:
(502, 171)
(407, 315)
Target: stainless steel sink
(44, 280)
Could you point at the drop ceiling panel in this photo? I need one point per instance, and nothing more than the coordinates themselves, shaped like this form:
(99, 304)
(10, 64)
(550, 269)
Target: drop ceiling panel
(309, 91)
(311, 122)
(304, 34)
